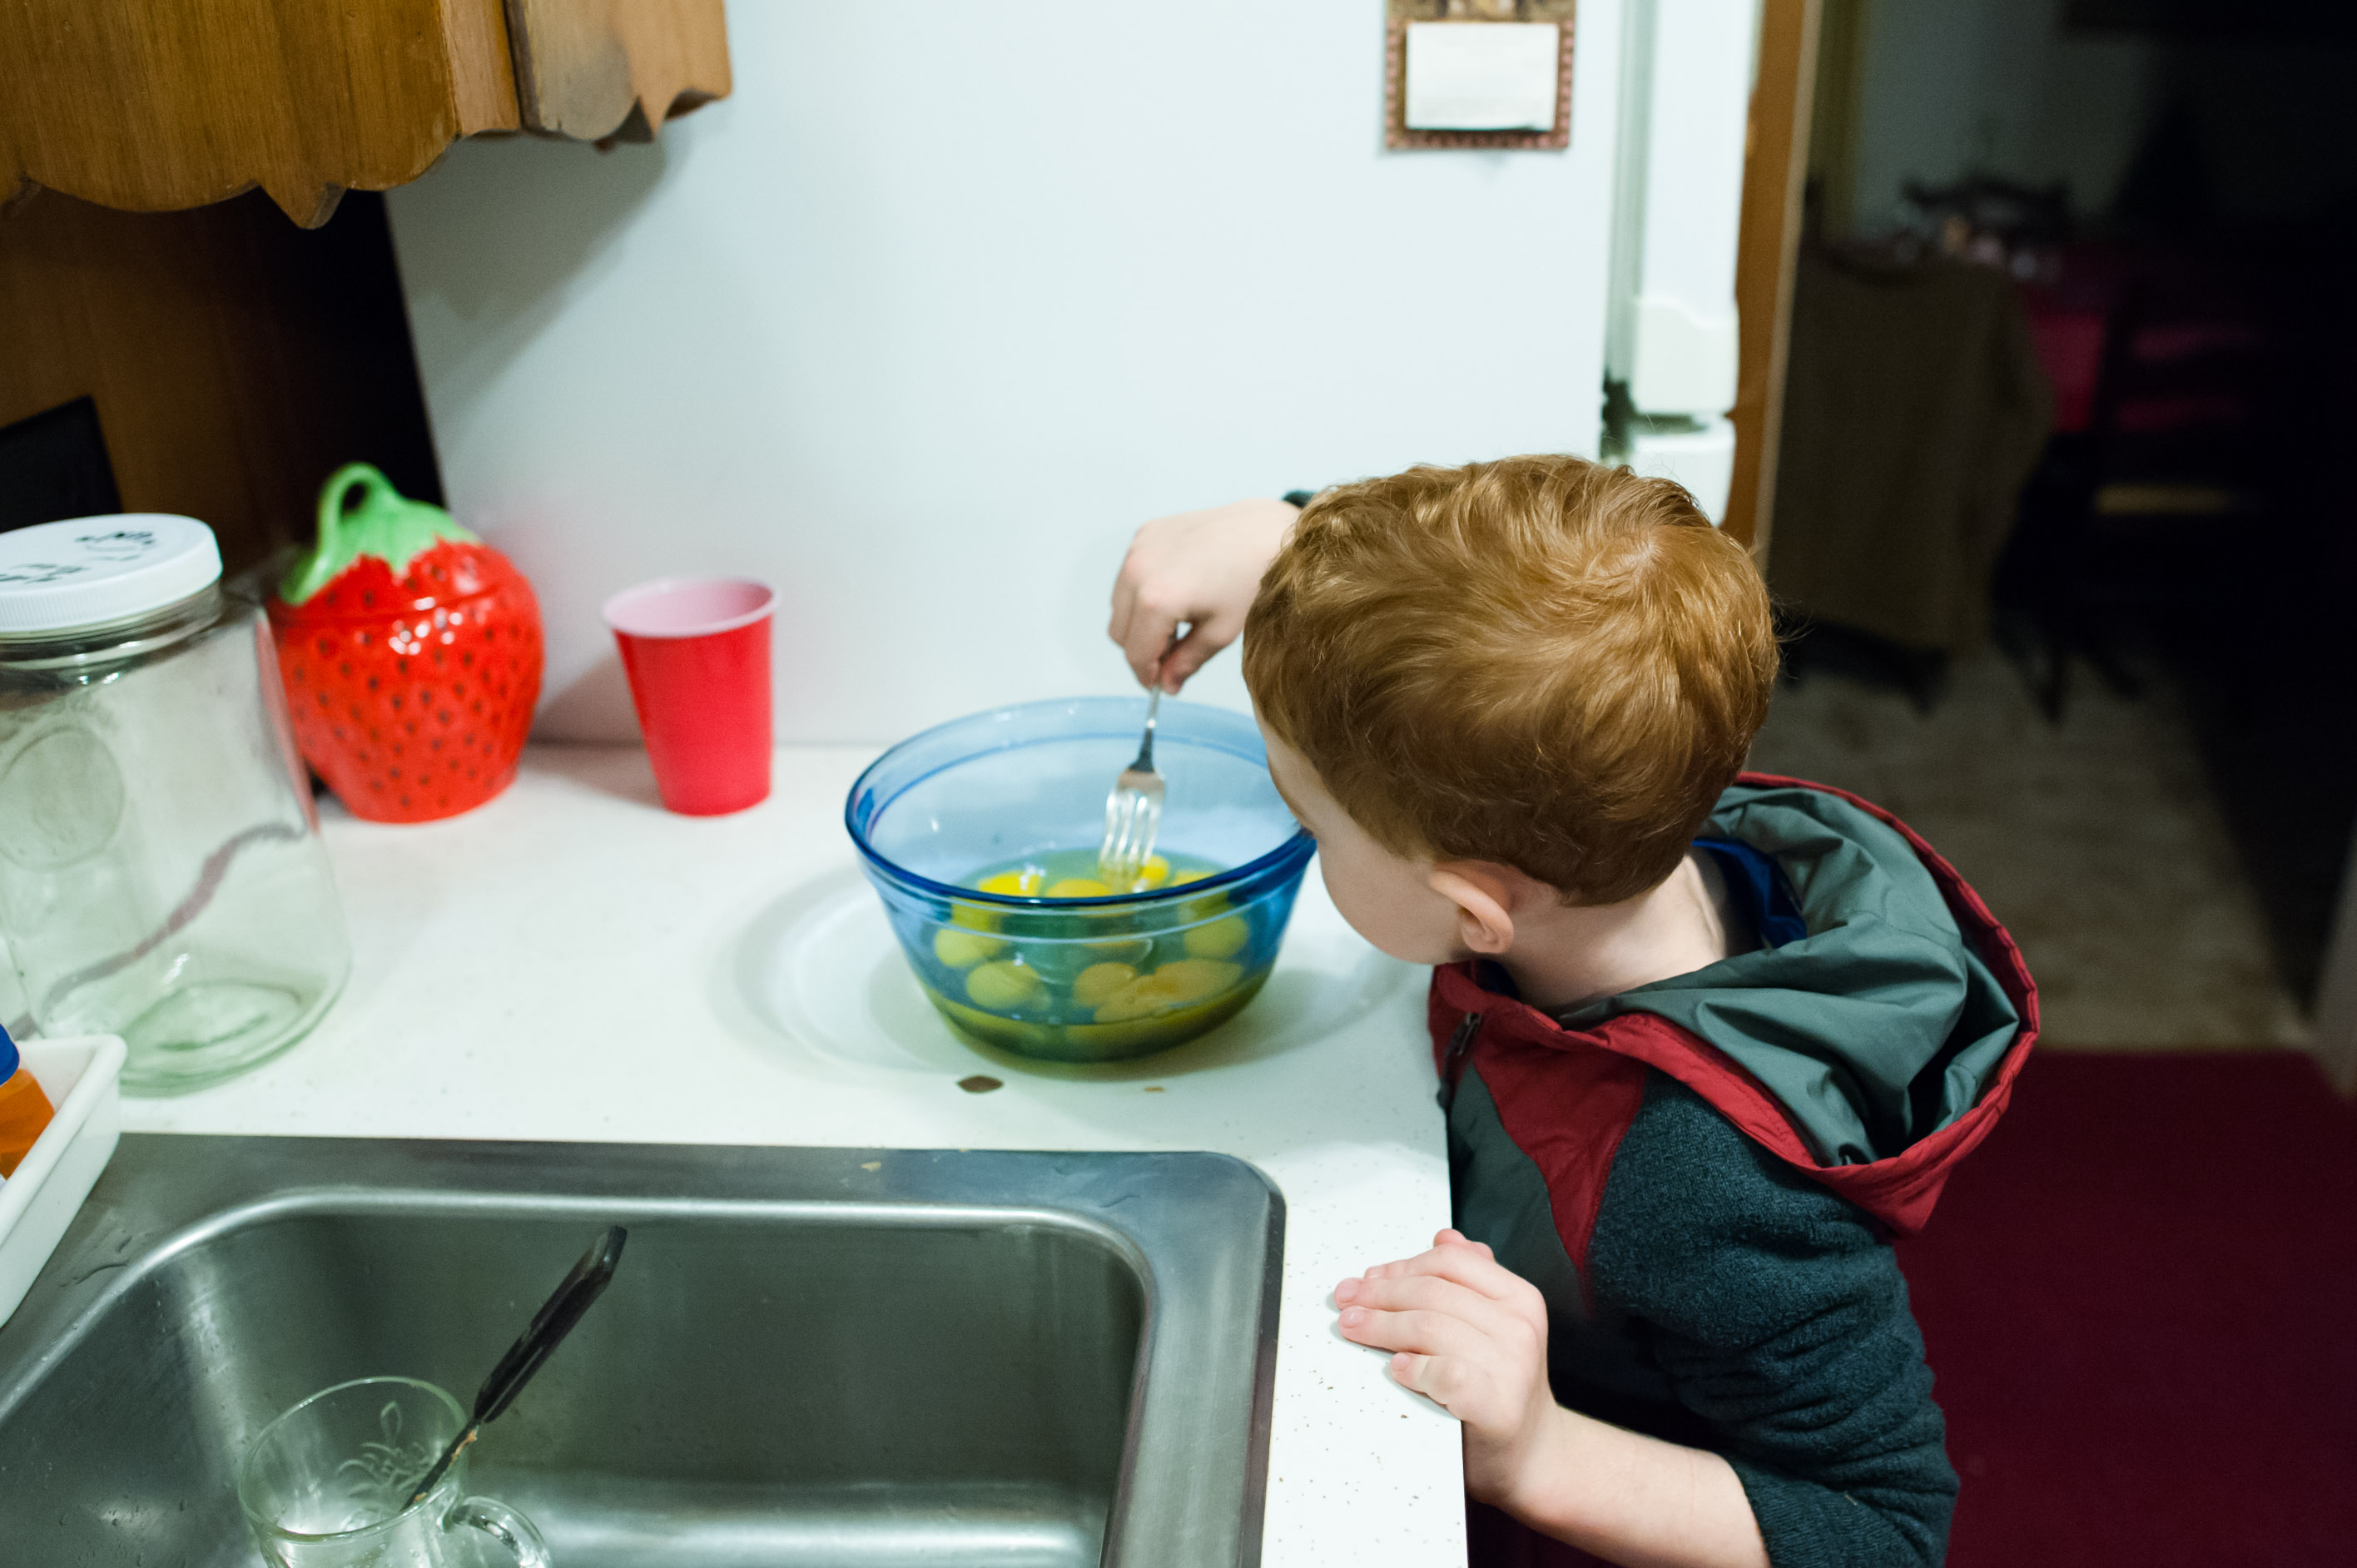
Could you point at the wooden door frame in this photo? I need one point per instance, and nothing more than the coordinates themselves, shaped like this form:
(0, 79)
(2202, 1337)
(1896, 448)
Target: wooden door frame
(1775, 171)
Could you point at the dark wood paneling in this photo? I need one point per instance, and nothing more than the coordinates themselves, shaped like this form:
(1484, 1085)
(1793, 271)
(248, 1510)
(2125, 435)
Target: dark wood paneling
(234, 359)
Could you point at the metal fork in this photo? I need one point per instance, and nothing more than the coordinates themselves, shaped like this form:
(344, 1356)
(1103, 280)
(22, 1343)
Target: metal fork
(1132, 813)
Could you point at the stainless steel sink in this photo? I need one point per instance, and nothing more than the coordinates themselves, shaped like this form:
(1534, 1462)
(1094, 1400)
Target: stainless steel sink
(863, 1358)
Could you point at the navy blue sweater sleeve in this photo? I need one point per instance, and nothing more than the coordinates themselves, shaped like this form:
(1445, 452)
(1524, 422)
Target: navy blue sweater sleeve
(1779, 1318)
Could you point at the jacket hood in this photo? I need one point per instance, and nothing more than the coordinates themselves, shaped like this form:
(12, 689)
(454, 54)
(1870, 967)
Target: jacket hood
(1873, 1050)
(1881, 1025)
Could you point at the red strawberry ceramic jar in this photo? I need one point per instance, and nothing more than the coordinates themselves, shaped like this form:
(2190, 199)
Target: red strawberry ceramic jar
(412, 652)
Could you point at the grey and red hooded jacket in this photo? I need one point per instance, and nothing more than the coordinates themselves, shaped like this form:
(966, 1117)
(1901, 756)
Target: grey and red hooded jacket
(1703, 1174)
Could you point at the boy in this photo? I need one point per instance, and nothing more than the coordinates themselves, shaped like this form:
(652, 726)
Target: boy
(1707, 1040)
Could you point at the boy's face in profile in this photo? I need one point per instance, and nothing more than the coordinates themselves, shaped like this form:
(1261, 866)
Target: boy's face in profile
(1388, 899)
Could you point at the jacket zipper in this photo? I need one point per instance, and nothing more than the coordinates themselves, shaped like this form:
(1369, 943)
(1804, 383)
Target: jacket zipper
(1460, 1040)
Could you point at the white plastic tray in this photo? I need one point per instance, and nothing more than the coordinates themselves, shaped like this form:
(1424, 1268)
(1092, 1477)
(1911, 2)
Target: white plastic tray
(41, 1200)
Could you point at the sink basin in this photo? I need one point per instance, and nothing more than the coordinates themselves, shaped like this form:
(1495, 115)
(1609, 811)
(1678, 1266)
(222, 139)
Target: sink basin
(857, 1358)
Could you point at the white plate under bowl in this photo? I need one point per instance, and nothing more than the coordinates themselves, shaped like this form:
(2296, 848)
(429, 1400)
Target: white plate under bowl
(820, 965)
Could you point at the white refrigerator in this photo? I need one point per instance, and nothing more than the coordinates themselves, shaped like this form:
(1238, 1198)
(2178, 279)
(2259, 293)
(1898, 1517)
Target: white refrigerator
(945, 299)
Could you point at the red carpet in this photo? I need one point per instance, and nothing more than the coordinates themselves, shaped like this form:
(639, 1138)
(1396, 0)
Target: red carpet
(2140, 1298)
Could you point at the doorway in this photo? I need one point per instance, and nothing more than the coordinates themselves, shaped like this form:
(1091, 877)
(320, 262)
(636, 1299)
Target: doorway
(2058, 525)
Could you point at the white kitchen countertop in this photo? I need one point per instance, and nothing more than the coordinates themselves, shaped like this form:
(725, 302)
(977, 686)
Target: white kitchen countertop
(571, 961)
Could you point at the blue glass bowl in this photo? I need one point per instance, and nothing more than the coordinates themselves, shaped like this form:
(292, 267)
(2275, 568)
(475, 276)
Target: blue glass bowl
(1161, 966)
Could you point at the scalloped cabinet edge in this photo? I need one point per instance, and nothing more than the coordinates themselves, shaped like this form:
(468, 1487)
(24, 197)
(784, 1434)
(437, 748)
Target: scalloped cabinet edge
(153, 107)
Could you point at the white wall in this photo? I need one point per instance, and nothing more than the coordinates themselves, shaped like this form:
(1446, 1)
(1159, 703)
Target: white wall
(947, 298)
(1951, 86)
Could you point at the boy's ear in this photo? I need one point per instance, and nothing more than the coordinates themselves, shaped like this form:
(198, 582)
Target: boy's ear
(1485, 896)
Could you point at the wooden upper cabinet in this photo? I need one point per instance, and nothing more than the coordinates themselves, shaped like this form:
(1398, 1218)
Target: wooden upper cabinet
(593, 69)
(151, 106)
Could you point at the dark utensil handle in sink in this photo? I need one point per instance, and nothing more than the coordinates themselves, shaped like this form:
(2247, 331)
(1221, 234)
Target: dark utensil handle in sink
(550, 1325)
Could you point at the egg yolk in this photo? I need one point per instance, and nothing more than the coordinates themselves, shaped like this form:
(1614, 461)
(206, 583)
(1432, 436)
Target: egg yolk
(1002, 984)
(1220, 939)
(1174, 985)
(1097, 984)
(963, 949)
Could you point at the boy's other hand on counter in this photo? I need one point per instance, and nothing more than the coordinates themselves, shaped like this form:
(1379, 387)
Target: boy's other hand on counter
(1471, 1336)
(1196, 568)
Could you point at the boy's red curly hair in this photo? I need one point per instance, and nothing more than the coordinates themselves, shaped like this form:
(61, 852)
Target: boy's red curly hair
(1540, 661)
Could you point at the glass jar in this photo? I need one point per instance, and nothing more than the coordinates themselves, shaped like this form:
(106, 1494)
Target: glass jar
(161, 872)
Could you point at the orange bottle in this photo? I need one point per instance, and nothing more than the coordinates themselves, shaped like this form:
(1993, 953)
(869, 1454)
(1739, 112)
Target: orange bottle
(23, 1109)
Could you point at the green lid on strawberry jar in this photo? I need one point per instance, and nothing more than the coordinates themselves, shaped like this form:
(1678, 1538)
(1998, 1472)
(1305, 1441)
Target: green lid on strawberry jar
(386, 524)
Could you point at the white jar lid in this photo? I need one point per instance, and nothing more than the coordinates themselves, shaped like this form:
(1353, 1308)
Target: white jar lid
(88, 571)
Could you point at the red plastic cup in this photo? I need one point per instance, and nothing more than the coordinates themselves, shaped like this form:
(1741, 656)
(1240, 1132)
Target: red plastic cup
(698, 653)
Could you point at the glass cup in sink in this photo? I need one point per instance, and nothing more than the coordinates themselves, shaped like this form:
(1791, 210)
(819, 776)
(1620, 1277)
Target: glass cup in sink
(327, 1485)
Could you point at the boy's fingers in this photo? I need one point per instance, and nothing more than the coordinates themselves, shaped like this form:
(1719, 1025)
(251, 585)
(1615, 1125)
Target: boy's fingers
(1183, 660)
(1395, 1292)
(1429, 1262)
(1149, 634)
(1413, 1371)
(1426, 1261)
(1455, 1237)
(1424, 1333)
(1476, 1272)
(1427, 1375)
(1396, 1266)
(1204, 638)
(1133, 627)
(1124, 605)
(1426, 1293)
(1444, 1379)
